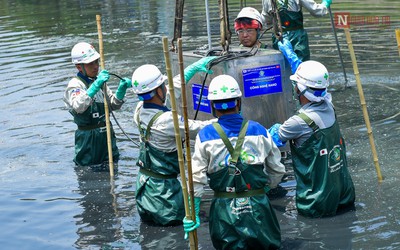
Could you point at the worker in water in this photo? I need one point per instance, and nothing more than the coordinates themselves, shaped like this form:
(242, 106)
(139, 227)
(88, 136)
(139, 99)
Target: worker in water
(248, 25)
(291, 17)
(159, 197)
(85, 100)
(237, 158)
(324, 185)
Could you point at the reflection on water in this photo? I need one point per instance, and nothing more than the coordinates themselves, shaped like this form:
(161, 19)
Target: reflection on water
(98, 223)
(47, 203)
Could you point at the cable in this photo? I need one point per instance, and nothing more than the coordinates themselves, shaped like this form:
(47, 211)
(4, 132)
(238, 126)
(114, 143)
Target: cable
(116, 75)
(115, 119)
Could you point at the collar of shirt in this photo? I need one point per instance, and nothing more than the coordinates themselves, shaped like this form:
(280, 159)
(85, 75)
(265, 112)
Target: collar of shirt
(88, 80)
(154, 106)
(232, 122)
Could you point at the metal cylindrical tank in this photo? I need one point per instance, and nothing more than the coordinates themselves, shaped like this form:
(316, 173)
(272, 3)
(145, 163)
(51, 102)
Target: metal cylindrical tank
(263, 79)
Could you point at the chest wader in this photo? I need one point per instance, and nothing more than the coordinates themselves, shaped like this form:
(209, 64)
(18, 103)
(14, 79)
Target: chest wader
(241, 216)
(293, 30)
(91, 136)
(158, 195)
(324, 184)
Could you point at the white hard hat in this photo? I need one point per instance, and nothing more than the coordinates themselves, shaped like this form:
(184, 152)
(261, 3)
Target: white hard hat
(312, 74)
(147, 78)
(84, 53)
(250, 12)
(223, 87)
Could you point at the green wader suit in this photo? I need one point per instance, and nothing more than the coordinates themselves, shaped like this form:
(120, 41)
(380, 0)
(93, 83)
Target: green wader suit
(91, 136)
(293, 30)
(324, 184)
(241, 218)
(159, 195)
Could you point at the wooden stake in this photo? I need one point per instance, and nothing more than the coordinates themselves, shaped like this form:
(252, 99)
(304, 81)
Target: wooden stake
(178, 139)
(187, 140)
(363, 104)
(106, 111)
(398, 39)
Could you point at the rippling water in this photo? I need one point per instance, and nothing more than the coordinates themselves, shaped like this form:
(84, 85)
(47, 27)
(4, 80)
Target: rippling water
(48, 203)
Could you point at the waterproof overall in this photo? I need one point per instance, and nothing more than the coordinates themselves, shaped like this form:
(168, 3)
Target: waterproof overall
(241, 216)
(293, 30)
(159, 195)
(324, 184)
(91, 136)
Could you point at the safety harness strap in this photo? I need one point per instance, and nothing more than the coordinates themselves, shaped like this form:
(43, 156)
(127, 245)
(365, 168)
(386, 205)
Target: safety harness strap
(309, 121)
(235, 153)
(145, 136)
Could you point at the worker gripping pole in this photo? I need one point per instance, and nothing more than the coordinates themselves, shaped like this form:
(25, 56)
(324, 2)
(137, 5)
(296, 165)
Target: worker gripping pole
(398, 39)
(106, 111)
(187, 139)
(363, 103)
(178, 139)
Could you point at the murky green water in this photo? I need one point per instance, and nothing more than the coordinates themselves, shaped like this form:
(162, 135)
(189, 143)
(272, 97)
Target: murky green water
(46, 203)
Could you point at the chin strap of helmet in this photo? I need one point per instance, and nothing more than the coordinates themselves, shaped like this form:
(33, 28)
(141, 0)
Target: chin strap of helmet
(83, 69)
(163, 89)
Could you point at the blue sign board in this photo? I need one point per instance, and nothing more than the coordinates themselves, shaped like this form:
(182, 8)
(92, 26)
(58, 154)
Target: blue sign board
(262, 80)
(205, 105)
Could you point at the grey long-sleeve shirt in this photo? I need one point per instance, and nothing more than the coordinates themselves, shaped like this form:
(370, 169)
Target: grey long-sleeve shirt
(295, 128)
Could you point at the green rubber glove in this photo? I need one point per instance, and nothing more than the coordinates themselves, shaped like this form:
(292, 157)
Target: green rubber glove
(200, 65)
(287, 50)
(188, 224)
(102, 77)
(327, 3)
(123, 85)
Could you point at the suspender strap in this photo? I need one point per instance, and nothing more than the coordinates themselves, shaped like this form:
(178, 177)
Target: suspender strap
(235, 153)
(309, 121)
(145, 137)
(244, 194)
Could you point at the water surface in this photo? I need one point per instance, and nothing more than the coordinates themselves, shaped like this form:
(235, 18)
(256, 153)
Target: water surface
(48, 203)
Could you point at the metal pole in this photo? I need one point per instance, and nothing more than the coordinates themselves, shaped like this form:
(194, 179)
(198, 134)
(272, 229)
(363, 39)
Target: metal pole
(338, 47)
(208, 25)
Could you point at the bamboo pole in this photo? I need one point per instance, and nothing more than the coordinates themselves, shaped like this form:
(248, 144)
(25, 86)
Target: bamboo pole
(106, 110)
(187, 140)
(363, 104)
(178, 139)
(398, 39)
